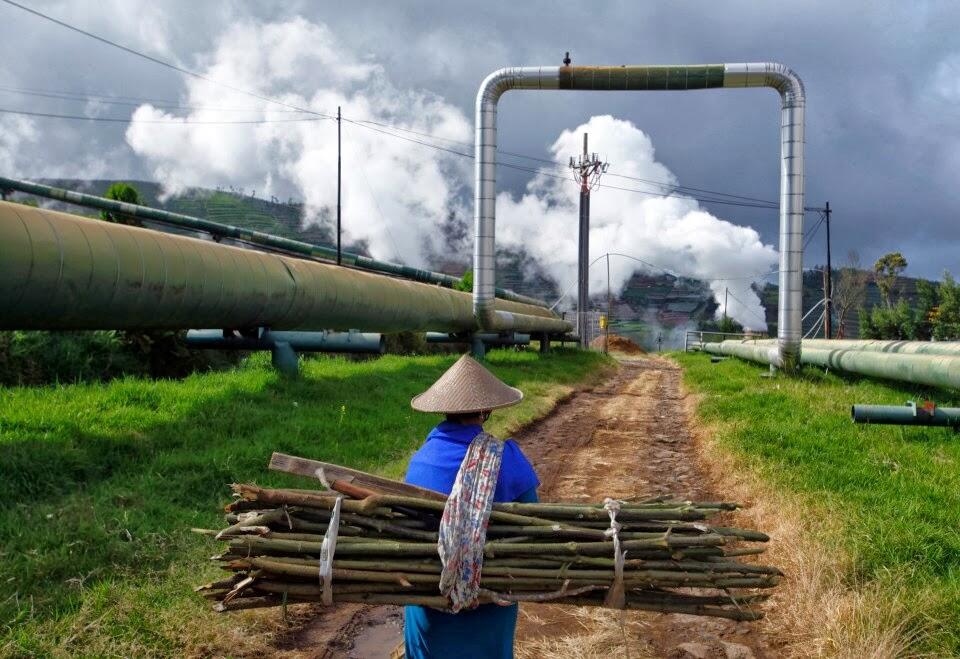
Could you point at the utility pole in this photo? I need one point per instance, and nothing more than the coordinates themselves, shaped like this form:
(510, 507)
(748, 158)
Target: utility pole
(339, 258)
(587, 170)
(606, 330)
(726, 293)
(827, 282)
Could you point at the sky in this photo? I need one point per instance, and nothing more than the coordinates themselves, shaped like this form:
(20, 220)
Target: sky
(883, 133)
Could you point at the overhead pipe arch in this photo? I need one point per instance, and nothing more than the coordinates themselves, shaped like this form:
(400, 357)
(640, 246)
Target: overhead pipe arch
(786, 353)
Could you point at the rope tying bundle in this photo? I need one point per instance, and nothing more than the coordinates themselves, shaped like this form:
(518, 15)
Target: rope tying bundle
(327, 550)
(616, 597)
(463, 527)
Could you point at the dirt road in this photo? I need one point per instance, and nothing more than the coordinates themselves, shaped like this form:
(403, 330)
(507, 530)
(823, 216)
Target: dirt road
(627, 437)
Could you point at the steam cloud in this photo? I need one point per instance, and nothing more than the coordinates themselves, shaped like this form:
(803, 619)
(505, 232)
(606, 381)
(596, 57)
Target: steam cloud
(398, 194)
(673, 233)
(394, 190)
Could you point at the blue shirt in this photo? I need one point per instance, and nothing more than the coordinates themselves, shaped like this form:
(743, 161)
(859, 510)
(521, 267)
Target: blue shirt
(485, 632)
(436, 464)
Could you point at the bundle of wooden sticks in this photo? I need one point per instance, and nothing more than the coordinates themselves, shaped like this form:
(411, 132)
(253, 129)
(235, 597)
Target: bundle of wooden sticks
(386, 550)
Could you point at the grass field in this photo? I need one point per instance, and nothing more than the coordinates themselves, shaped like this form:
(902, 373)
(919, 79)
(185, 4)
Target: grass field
(102, 482)
(886, 496)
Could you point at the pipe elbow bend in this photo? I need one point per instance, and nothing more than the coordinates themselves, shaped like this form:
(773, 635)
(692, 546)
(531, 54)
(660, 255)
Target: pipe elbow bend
(494, 85)
(516, 77)
(786, 81)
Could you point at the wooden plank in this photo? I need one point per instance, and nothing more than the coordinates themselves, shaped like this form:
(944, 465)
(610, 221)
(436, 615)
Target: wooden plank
(291, 464)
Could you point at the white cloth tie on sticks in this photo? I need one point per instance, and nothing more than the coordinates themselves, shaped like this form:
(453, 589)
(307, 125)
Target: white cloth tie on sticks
(327, 550)
(463, 527)
(616, 598)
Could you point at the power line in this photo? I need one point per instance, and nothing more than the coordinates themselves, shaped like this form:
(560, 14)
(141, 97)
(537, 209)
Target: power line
(557, 164)
(668, 271)
(755, 314)
(410, 139)
(686, 276)
(759, 202)
(157, 60)
(321, 116)
(541, 171)
(128, 101)
(538, 170)
(813, 232)
(376, 203)
(169, 122)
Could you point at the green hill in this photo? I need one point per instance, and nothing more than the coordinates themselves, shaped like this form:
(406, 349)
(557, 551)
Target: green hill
(225, 206)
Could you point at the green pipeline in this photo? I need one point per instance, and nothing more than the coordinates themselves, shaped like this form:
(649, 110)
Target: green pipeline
(61, 271)
(640, 78)
(901, 347)
(749, 351)
(247, 235)
(906, 415)
(929, 370)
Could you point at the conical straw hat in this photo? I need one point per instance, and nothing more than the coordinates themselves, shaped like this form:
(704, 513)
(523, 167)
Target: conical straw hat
(466, 387)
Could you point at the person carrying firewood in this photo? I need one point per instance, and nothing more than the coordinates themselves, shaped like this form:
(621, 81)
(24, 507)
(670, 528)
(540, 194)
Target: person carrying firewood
(458, 457)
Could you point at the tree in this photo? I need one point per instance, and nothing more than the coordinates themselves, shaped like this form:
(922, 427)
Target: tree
(121, 192)
(928, 301)
(946, 318)
(886, 270)
(896, 323)
(850, 291)
(724, 324)
(466, 282)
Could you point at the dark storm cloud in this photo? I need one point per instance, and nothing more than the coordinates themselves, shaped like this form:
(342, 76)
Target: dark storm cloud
(883, 134)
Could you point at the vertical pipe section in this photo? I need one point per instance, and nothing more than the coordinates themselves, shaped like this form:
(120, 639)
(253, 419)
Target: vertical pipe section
(793, 106)
(485, 190)
(650, 78)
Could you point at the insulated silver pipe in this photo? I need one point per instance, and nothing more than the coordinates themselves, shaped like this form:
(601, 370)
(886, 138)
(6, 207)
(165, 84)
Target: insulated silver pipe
(485, 189)
(793, 103)
(786, 354)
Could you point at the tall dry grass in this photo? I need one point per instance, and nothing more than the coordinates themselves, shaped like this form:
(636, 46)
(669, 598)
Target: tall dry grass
(820, 608)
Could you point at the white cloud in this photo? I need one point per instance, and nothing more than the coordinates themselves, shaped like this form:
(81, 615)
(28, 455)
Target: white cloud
(16, 133)
(946, 78)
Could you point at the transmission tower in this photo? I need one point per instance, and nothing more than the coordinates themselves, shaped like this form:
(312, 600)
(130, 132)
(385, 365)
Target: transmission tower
(587, 169)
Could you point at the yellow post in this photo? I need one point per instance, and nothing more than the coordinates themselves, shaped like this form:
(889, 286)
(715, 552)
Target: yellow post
(606, 333)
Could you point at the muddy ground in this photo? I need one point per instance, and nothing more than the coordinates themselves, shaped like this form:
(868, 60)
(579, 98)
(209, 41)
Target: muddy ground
(628, 437)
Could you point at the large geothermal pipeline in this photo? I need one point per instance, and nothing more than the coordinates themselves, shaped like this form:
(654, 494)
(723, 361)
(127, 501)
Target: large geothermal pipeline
(903, 361)
(61, 271)
(220, 230)
(786, 353)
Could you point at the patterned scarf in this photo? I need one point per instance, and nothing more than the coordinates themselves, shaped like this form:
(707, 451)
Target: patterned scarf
(463, 527)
